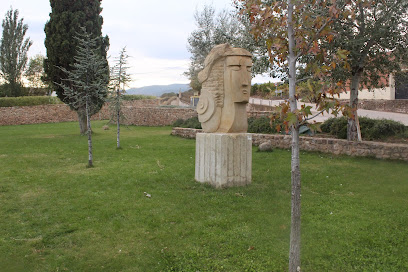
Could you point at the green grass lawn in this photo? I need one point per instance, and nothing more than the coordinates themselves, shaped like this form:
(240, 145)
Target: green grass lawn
(58, 215)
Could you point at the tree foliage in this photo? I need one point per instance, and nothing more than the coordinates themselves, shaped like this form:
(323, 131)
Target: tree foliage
(86, 80)
(13, 51)
(35, 72)
(66, 19)
(217, 28)
(120, 79)
(374, 33)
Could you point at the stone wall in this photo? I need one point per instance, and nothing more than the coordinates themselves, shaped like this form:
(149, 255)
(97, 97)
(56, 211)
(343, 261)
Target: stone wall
(257, 114)
(257, 107)
(137, 112)
(155, 116)
(325, 145)
(400, 105)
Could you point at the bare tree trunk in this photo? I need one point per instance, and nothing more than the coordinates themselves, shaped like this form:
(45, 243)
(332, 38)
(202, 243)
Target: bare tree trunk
(294, 251)
(82, 118)
(89, 132)
(118, 121)
(353, 125)
(295, 230)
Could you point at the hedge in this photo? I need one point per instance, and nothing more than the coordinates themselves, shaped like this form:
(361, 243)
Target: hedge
(28, 101)
(129, 97)
(371, 129)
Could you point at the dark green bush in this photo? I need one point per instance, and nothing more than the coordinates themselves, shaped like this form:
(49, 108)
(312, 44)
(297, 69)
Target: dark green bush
(366, 125)
(12, 90)
(166, 95)
(326, 125)
(188, 123)
(371, 129)
(129, 97)
(336, 127)
(339, 128)
(178, 123)
(404, 134)
(28, 101)
(386, 128)
(261, 125)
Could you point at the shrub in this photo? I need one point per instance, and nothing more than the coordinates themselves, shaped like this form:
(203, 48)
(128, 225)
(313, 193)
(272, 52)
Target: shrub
(167, 95)
(188, 123)
(336, 127)
(386, 128)
(326, 125)
(130, 97)
(404, 134)
(371, 129)
(193, 123)
(261, 125)
(12, 90)
(339, 128)
(178, 123)
(366, 124)
(28, 101)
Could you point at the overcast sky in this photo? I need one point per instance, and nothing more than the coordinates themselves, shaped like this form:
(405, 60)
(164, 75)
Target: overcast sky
(154, 32)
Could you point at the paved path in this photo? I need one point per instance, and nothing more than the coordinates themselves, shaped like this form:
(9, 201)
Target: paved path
(403, 118)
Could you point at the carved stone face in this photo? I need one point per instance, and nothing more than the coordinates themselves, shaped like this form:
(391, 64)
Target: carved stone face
(226, 86)
(237, 78)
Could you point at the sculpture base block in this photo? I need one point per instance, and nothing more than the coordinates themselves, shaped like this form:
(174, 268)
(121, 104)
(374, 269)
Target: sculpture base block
(223, 159)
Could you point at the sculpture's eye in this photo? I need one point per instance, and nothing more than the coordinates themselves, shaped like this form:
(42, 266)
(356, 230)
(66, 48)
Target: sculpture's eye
(235, 67)
(249, 68)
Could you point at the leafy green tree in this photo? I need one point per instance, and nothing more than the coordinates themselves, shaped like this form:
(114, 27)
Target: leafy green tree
(218, 28)
(34, 74)
(13, 51)
(66, 18)
(119, 81)
(86, 80)
(375, 35)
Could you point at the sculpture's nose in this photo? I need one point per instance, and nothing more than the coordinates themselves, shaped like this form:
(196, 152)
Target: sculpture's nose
(246, 79)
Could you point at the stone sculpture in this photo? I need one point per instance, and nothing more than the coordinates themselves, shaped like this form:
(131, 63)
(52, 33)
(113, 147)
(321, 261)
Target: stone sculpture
(226, 87)
(224, 152)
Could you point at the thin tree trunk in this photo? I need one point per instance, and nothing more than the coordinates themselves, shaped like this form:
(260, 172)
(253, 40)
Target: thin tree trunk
(89, 132)
(82, 118)
(295, 230)
(118, 121)
(353, 125)
(294, 251)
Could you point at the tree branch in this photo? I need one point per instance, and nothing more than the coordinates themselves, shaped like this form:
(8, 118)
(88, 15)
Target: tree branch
(303, 79)
(310, 118)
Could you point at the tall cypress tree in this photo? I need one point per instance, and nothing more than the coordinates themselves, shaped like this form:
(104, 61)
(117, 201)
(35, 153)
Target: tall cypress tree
(66, 19)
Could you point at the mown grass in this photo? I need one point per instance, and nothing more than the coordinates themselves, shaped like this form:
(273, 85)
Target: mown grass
(58, 215)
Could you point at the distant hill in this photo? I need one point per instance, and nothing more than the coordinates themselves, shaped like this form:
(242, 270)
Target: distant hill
(158, 90)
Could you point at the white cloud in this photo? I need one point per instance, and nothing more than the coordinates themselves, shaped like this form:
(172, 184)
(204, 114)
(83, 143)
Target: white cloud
(154, 32)
(154, 71)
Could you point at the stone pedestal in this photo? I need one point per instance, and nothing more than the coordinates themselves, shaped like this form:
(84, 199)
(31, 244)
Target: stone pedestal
(223, 159)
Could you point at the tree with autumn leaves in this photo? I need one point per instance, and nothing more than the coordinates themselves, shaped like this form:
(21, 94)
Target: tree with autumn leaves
(331, 44)
(294, 32)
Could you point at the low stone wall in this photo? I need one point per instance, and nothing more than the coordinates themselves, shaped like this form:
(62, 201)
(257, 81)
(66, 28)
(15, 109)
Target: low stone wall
(155, 116)
(325, 145)
(399, 105)
(137, 112)
(36, 115)
(256, 107)
(257, 114)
